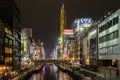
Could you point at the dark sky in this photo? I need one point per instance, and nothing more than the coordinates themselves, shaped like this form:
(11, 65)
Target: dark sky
(43, 15)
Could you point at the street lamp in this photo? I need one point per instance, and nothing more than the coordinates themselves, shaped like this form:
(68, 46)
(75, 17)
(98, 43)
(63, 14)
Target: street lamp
(110, 71)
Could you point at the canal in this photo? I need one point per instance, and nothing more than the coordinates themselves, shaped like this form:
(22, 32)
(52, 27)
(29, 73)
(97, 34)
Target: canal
(51, 72)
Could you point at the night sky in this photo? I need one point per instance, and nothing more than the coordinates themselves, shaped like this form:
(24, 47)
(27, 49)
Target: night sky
(43, 15)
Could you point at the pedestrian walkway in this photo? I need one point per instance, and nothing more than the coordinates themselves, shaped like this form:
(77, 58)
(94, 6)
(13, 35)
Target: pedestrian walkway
(82, 73)
(104, 73)
(109, 74)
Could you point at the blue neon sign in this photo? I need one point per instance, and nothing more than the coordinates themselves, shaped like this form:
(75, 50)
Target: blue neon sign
(86, 20)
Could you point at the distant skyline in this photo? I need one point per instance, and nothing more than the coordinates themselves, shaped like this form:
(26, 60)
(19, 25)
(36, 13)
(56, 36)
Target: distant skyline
(43, 16)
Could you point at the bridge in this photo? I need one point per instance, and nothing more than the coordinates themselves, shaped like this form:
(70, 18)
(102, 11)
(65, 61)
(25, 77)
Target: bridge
(53, 61)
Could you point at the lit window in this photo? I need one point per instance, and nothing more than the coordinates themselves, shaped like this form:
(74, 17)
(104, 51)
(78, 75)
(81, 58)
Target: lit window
(113, 62)
(8, 60)
(8, 31)
(8, 50)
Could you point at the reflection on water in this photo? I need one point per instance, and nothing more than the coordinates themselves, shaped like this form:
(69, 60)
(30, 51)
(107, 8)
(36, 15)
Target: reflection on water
(50, 72)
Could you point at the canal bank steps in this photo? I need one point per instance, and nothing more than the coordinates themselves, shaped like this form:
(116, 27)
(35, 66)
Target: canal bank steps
(82, 73)
(27, 73)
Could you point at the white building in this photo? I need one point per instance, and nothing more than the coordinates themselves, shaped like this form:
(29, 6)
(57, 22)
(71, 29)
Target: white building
(109, 40)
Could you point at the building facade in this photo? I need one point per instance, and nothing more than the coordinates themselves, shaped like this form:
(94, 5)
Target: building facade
(109, 37)
(69, 44)
(1, 42)
(6, 48)
(81, 26)
(93, 46)
(10, 16)
(25, 45)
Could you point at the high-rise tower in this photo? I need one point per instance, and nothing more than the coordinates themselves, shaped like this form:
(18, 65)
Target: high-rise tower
(63, 25)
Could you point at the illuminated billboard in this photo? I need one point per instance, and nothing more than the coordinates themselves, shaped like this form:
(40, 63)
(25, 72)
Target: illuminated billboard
(86, 21)
(82, 22)
(68, 31)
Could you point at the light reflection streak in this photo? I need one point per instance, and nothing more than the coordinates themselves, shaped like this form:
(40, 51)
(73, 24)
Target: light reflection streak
(54, 73)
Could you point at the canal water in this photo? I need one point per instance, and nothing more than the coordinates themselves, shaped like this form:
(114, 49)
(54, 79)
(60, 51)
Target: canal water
(51, 72)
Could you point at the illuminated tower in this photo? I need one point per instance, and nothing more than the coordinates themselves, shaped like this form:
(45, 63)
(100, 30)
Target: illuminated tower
(63, 19)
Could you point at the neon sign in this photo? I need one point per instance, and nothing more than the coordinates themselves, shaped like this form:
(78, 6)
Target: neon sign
(86, 20)
(68, 31)
(82, 22)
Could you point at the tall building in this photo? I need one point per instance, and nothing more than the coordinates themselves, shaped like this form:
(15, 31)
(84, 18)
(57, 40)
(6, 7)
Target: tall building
(92, 44)
(109, 41)
(63, 25)
(10, 15)
(81, 26)
(69, 44)
(26, 44)
(6, 45)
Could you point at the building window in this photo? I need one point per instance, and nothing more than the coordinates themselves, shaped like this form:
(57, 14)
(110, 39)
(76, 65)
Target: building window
(110, 50)
(1, 41)
(113, 62)
(6, 40)
(102, 28)
(106, 50)
(99, 29)
(10, 42)
(100, 40)
(103, 51)
(114, 22)
(8, 60)
(8, 50)
(117, 19)
(111, 36)
(103, 39)
(105, 26)
(115, 34)
(110, 23)
(8, 31)
(116, 49)
(107, 37)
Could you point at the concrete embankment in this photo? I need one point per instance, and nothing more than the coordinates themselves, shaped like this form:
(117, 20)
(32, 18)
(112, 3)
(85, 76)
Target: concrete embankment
(81, 74)
(25, 75)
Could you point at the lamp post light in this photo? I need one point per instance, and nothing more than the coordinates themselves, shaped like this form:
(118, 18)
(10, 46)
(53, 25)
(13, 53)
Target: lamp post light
(110, 72)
